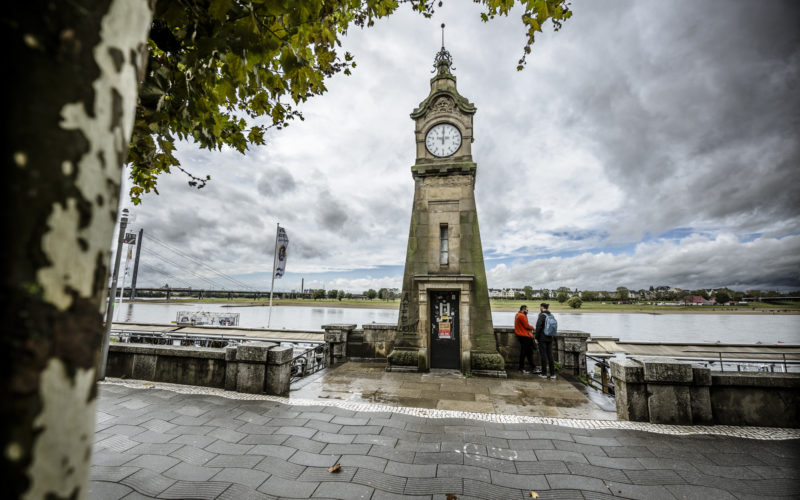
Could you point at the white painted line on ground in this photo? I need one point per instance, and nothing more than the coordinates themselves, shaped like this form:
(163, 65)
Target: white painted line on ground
(761, 433)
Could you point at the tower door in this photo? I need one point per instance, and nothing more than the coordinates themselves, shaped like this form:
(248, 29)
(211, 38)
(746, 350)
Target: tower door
(445, 333)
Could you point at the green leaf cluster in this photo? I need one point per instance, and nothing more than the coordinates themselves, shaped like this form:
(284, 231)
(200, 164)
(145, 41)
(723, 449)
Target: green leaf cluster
(217, 66)
(536, 14)
(223, 72)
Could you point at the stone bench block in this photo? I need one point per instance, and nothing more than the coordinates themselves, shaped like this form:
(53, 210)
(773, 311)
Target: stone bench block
(629, 390)
(701, 375)
(251, 366)
(669, 404)
(627, 370)
(663, 370)
(279, 366)
(701, 405)
(336, 335)
(279, 355)
(231, 369)
(254, 351)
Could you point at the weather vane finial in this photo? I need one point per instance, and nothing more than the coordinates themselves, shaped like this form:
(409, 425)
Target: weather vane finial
(443, 62)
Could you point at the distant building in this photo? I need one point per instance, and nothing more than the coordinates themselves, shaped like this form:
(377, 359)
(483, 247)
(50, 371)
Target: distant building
(697, 300)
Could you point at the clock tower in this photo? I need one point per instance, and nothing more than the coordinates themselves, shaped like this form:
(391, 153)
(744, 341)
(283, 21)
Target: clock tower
(445, 320)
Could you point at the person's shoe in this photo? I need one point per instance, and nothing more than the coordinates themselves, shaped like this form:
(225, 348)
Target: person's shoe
(552, 377)
(543, 376)
(536, 371)
(525, 372)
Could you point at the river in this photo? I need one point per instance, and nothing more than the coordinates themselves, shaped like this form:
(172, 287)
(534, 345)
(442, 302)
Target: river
(706, 327)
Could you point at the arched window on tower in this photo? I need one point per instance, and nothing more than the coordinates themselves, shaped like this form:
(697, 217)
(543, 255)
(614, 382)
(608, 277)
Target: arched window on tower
(444, 246)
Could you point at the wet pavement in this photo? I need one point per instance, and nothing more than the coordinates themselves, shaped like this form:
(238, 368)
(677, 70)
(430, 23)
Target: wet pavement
(155, 440)
(520, 394)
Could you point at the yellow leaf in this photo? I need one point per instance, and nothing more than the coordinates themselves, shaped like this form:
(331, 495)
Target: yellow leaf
(534, 494)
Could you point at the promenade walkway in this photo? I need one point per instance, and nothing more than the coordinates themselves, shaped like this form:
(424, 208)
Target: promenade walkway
(168, 441)
(522, 395)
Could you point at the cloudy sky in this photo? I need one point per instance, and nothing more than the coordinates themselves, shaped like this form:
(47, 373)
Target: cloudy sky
(646, 143)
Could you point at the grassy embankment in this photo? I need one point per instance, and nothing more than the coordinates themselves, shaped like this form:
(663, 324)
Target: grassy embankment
(790, 307)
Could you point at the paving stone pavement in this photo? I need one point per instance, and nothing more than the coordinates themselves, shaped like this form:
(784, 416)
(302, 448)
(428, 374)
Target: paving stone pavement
(155, 441)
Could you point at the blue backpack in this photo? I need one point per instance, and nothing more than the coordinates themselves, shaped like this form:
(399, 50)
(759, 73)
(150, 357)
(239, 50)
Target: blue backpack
(550, 325)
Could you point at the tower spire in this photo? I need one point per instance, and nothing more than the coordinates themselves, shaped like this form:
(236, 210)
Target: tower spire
(443, 62)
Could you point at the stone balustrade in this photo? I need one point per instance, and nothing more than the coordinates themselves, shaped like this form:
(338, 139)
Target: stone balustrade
(664, 390)
(252, 367)
(337, 335)
(371, 342)
(376, 342)
(569, 349)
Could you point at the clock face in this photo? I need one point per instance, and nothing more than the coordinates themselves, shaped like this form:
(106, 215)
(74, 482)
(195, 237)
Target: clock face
(443, 140)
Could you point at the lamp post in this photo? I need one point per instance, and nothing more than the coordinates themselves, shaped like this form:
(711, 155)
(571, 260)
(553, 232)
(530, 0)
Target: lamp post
(123, 224)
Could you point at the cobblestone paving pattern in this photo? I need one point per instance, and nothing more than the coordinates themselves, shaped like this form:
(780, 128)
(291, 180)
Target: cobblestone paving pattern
(201, 443)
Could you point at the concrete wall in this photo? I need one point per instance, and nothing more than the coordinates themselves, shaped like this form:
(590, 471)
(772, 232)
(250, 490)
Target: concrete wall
(667, 391)
(371, 342)
(569, 349)
(761, 399)
(254, 367)
(375, 341)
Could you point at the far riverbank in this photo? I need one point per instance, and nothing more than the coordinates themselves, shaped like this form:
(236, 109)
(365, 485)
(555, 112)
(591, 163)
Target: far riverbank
(627, 326)
(501, 306)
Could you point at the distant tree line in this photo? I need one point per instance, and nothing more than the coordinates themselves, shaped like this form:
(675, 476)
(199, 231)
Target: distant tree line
(624, 295)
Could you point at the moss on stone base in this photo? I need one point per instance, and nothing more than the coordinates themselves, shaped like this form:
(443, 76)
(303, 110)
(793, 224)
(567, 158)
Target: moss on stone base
(487, 361)
(403, 358)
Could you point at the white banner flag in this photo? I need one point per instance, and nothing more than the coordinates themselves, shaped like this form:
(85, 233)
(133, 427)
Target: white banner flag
(282, 247)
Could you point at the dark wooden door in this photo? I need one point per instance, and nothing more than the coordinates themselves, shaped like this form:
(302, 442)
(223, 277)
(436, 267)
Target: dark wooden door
(445, 333)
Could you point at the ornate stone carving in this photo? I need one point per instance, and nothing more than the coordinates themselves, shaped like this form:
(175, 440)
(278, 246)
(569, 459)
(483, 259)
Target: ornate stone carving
(442, 105)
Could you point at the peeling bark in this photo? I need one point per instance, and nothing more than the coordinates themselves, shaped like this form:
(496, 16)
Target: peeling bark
(74, 73)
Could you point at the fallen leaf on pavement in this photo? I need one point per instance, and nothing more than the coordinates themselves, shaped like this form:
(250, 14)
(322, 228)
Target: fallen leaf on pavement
(335, 468)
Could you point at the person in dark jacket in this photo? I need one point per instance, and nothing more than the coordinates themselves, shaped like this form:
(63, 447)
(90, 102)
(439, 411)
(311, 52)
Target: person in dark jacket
(524, 332)
(545, 343)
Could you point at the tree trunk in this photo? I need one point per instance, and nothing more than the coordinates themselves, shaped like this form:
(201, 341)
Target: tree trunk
(73, 73)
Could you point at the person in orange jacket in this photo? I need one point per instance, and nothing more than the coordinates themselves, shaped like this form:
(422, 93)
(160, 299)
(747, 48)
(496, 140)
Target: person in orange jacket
(524, 332)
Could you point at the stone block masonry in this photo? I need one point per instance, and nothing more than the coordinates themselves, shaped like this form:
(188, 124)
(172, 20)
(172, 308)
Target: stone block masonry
(252, 367)
(667, 391)
(336, 335)
(569, 349)
(377, 342)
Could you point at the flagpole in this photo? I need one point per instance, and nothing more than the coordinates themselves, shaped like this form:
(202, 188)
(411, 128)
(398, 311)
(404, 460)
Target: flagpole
(124, 274)
(274, 263)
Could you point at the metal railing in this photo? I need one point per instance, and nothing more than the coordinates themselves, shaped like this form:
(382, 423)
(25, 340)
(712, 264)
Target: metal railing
(311, 360)
(606, 383)
(742, 359)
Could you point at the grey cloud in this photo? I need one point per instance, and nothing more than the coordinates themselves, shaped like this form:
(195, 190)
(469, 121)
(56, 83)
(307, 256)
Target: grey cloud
(638, 117)
(276, 182)
(330, 213)
(704, 118)
(696, 262)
